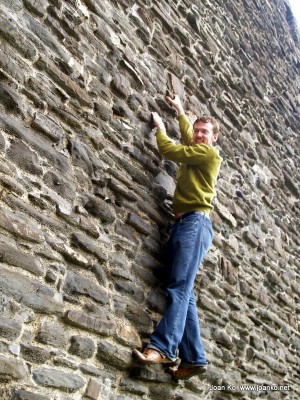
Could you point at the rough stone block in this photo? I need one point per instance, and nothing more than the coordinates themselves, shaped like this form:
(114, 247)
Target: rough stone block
(129, 289)
(13, 256)
(25, 158)
(30, 292)
(20, 226)
(59, 379)
(11, 369)
(93, 389)
(138, 316)
(89, 246)
(139, 224)
(11, 99)
(93, 323)
(70, 86)
(34, 354)
(78, 284)
(60, 183)
(82, 347)
(101, 209)
(128, 336)
(9, 328)
(52, 334)
(131, 386)
(114, 355)
(21, 394)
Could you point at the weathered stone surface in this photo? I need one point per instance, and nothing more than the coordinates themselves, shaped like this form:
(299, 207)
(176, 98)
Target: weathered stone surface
(93, 390)
(34, 354)
(89, 246)
(11, 99)
(139, 224)
(9, 328)
(116, 355)
(95, 324)
(30, 292)
(52, 334)
(50, 377)
(12, 369)
(20, 226)
(100, 209)
(82, 347)
(21, 394)
(20, 154)
(78, 284)
(13, 256)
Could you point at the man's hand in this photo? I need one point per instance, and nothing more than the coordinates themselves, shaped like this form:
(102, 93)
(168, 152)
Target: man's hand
(157, 121)
(176, 103)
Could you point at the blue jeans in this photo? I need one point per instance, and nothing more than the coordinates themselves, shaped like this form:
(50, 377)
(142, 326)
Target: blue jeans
(179, 329)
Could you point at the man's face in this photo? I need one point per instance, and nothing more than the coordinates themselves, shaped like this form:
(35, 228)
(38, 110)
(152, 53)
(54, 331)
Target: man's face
(203, 133)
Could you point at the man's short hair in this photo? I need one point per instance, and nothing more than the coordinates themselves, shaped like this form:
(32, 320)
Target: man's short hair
(212, 120)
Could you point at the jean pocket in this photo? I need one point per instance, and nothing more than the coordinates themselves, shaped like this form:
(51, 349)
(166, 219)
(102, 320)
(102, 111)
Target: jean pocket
(206, 236)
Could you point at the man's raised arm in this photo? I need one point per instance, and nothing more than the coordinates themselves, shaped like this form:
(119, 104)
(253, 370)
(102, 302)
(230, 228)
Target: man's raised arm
(185, 126)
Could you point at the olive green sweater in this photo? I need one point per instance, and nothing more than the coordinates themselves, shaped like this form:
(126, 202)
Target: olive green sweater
(197, 174)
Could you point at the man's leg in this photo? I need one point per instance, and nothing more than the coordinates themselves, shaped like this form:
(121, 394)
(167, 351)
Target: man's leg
(191, 351)
(190, 242)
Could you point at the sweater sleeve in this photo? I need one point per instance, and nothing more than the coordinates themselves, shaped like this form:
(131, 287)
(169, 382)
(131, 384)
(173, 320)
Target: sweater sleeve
(186, 129)
(193, 155)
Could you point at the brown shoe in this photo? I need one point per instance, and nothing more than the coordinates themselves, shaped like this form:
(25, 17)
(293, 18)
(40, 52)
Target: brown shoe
(151, 356)
(184, 373)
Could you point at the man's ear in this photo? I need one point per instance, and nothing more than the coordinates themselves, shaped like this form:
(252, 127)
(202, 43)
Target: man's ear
(215, 137)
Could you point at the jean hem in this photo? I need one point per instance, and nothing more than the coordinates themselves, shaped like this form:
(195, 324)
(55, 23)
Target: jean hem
(189, 365)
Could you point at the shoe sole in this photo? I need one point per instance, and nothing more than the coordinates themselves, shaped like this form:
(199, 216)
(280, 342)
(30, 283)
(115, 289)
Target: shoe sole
(184, 378)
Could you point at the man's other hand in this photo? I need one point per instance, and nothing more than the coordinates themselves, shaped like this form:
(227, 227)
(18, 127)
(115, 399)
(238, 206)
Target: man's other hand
(157, 121)
(176, 103)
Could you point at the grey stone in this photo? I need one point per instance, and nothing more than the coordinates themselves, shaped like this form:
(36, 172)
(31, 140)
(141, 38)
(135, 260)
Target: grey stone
(60, 184)
(129, 289)
(223, 338)
(20, 226)
(12, 369)
(120, 86)
(30, 292)
(70, 86)
(21, 394)
(2, 142)
(101, 209)
(48, 126)
(82, 347)
(13, 256)
(25, 158)
(11, 99)
(78, 284)
(88, 245)
(55, 378)
(52, 334)
(9, 328)
(34, 354)
(93, 323)
(127, 232)
(113, 354)
(131, 386)
(136, 221)
(15, 128)
(136, 314)
(93, 389)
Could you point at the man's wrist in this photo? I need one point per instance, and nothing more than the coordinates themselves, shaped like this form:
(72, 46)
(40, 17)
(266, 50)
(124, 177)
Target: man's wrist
(180, 111)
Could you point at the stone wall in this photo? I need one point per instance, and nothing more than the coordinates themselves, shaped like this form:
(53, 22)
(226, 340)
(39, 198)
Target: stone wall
(85, 196)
